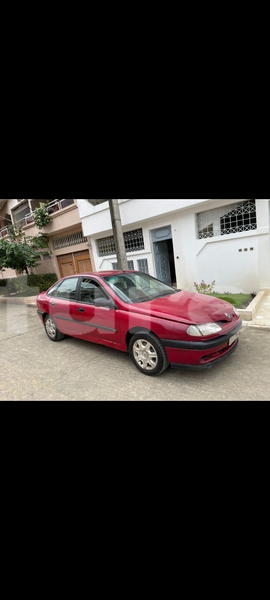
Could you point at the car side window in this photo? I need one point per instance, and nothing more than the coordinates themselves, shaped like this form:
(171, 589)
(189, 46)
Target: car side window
(91, 291)
(67, 289)
(52, 291)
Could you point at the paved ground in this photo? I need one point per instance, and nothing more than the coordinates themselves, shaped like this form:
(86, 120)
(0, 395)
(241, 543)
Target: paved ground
(33, 368)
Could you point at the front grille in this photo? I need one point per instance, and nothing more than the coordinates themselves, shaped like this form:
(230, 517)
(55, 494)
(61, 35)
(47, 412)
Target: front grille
(210, 357)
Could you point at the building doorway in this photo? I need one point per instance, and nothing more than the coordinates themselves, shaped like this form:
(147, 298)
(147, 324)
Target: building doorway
(77, 262)
(164, 255)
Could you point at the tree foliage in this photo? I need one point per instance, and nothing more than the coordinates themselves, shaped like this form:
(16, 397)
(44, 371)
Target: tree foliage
(22, 253)
(41, 216)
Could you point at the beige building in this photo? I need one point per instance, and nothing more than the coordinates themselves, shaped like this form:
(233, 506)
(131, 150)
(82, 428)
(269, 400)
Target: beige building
(70, 251)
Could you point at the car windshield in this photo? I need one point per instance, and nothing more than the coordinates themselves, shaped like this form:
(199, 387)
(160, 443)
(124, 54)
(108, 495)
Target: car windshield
(134, 288)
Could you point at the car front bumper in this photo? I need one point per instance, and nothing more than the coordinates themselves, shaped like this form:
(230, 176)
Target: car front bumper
(207, 365)
(203, 354)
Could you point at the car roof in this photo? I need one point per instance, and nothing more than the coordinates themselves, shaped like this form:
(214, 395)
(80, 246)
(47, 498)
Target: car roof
(104, 273)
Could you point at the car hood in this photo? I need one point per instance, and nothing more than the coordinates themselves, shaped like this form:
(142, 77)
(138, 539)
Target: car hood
(186, 307)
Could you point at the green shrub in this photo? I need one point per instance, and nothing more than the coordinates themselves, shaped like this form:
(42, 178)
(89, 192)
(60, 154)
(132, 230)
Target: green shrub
(28, 285)
(44, 282)
(3, 287)
(204, 288)
(21, 285)
(11, 288)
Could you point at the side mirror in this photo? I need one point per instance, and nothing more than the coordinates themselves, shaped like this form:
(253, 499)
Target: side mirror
(104, 303)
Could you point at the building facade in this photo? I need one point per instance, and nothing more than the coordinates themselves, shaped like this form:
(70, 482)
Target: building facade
(183, 241)
(69, 251)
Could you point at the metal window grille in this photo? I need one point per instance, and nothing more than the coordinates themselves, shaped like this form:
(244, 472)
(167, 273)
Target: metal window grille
(70, 240)
(143, 266)
(226, 220)
(207, 231)
(134, 241)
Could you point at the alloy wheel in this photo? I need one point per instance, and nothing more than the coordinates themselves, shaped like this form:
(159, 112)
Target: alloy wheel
(51, 328)
(145, 355)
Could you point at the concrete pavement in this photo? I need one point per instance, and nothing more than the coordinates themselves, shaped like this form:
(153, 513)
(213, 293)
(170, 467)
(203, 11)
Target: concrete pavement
(33, 368)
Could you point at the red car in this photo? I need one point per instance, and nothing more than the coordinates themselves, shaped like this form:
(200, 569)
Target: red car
(133, 312)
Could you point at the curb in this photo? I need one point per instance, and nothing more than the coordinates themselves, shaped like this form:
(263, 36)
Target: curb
(249, 313)
(28, 301)
(254, 325)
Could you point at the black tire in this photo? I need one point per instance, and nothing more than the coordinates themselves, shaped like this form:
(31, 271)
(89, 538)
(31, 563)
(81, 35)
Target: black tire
(52, 330)
(155, 353)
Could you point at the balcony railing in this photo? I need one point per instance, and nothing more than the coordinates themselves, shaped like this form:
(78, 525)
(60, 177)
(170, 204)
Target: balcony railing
(3, 232)
(52, 208)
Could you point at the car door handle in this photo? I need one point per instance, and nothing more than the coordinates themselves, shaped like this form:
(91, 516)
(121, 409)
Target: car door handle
(81, 309)
(52, 303)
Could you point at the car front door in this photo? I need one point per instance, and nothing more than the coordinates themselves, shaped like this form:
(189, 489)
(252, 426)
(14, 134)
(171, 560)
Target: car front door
(62, 303)
(96, 323)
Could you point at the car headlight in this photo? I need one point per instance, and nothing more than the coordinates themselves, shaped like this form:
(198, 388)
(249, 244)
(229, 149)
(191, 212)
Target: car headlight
(236, 312)
(205, 329)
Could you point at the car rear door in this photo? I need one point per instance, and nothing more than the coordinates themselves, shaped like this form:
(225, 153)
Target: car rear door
(62, 303)
(95, 323)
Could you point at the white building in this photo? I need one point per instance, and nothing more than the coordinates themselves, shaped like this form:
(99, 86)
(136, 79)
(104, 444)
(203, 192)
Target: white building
(183, 241)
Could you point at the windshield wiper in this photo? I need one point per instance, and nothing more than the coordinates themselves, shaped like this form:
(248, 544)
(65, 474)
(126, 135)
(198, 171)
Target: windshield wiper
(151, 298)
(163, 295)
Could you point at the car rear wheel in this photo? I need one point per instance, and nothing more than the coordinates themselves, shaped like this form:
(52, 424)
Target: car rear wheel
(51, 329)
(148, 354)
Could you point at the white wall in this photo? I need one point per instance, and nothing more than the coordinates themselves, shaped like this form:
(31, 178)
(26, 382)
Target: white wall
(10, 204)
(233, 271)
(219, 259)
(216, 258)
(132, 211)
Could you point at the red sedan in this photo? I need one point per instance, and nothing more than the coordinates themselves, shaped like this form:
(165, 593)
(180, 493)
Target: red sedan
(133, 312)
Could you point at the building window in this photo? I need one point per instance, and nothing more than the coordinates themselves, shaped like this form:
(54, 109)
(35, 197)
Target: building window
(20, 213)
(130, 265)
(134, 241)
(207, 231)
(226, 220)
(143, 266)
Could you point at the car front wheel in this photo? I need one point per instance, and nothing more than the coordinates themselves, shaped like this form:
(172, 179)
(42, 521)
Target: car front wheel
(52, 331)
(148, 354)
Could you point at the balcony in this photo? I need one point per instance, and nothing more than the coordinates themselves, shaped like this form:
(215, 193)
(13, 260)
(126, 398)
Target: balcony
(3, 232)
(53, 208)
(57, 205)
